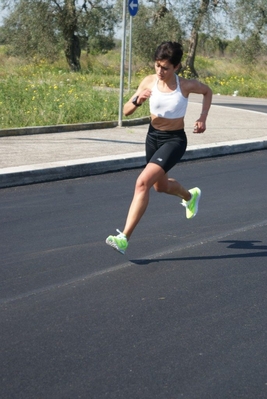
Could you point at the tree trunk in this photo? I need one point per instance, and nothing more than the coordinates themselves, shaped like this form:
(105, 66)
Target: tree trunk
(69, 23)
(190, 60)
(73, 52)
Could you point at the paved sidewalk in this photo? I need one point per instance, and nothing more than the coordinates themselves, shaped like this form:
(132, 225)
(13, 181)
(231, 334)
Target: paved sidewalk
(32, 158)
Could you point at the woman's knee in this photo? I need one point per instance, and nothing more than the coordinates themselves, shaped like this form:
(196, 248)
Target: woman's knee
(151, 175)
(142, 184)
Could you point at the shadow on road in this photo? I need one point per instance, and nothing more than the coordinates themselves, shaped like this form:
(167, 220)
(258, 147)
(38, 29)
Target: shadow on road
(234, 244)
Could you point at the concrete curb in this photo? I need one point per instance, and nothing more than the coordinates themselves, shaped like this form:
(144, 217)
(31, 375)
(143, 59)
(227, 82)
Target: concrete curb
(70, 128)
(224, 148)
(23, 175)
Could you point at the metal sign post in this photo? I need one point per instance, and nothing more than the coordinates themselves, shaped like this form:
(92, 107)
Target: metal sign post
(122, 62)
(130, 54)
(133, 8)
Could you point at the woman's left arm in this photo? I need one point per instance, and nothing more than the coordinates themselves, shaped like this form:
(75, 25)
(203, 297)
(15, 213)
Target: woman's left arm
(194, 86)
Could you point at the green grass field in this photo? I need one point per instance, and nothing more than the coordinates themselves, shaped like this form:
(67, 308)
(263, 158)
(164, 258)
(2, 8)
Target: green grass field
(41, 94)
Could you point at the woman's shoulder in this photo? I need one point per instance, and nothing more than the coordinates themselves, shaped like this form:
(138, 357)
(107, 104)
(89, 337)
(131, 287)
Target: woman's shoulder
(185, 82)
(148, 81)
(191, 86)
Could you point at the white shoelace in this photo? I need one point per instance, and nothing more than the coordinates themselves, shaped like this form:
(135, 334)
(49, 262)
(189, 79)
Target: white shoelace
(121, 234)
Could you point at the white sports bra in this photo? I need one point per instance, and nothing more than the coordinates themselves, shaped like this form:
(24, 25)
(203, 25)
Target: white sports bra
(170, 105)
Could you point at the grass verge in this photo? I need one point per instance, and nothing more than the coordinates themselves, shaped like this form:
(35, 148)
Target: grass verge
(41, 94)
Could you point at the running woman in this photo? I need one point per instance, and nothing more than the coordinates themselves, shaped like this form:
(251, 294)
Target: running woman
(166, 139)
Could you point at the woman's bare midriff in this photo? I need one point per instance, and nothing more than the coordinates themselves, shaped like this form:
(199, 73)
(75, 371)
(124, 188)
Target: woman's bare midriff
(167, 124)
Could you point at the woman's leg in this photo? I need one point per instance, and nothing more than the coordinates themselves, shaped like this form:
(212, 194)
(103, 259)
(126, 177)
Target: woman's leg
(190, 197)
(173, 187)
(150, 175)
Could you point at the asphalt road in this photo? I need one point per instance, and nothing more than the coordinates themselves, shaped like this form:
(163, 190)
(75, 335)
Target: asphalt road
(183, 315)
(250, 107)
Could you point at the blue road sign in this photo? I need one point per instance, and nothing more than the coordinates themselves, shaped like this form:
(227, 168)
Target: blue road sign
(133, 7)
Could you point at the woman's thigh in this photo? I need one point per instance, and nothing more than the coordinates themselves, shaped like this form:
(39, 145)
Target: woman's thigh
(151, 175)
(165, 152)
(169, 154)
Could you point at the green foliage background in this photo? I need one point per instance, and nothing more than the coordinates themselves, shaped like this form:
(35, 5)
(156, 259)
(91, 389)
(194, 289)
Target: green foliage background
(40, 93)
(38, 88)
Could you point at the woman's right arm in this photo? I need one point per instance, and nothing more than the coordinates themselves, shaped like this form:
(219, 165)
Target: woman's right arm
(142, 93)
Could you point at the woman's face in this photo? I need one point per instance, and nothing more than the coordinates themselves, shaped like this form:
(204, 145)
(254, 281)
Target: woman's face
(164, 69)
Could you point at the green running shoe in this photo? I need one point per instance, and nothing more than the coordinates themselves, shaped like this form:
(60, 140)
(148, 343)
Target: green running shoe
(192, 205)
(118, 242)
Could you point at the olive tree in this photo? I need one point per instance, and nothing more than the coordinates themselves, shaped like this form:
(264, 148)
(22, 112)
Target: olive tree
(250, 17)
(183, 21)
(201, 17)
(59, 21)
(154, 23)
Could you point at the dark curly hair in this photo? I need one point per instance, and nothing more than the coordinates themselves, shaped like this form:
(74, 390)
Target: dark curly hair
(170, 51)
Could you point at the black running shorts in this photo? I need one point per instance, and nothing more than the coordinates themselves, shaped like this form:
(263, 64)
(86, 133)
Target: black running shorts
(165, 148)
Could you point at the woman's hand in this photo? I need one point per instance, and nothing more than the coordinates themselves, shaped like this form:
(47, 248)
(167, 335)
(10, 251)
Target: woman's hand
(144, 95)
(200, 126)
